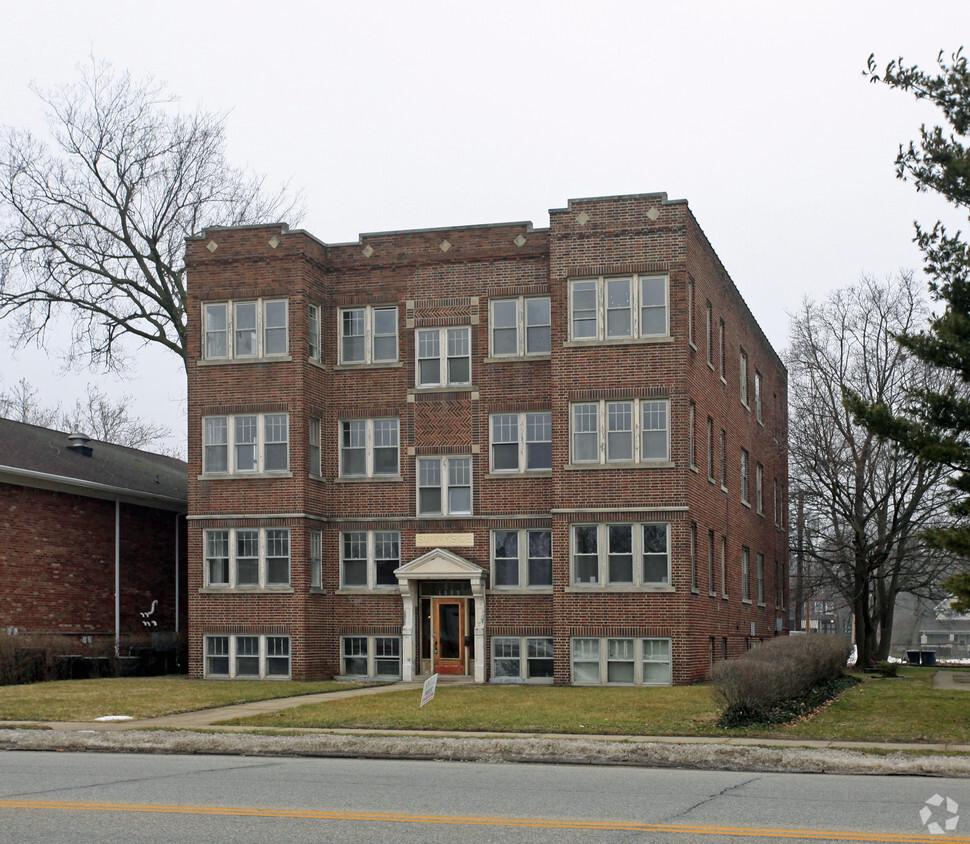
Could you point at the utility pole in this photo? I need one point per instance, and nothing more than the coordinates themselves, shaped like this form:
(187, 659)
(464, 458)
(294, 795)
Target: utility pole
(799, 558)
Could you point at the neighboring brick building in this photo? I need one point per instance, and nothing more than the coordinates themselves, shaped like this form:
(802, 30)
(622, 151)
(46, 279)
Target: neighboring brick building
(77, 513)
(516, 453)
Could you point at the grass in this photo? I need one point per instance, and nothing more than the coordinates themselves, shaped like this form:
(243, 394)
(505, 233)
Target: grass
(903, 709)
(140, 697)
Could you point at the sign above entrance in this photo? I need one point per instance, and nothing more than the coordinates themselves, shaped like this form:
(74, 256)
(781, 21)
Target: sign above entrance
(444, 540)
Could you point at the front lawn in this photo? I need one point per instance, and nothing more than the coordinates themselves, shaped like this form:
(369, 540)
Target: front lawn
(140, 697)
(903, 709)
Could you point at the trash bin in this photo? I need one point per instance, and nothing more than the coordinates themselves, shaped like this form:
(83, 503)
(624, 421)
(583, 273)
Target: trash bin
(927, 657)
(912, 657)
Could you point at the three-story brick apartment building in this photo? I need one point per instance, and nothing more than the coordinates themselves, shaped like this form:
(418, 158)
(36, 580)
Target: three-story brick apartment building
(550, 455)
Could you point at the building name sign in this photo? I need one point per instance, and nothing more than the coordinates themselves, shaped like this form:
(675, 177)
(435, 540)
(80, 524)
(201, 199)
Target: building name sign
(444, 540)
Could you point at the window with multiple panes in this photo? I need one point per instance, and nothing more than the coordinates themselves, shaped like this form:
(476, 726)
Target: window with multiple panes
(521, 442)
(240, 330)
(634, 431)
(690, 311)
(620, 661)
(251, 657)
(247, 557)
(369, 448)
(368, 558)
(257, 442)
(368, 335)
(315, 438)
(444, 486)
(370, 656)
(521, 558)
(520, 326)
(521, 658)
(313, 332)
(724, 583)
(724, 459)
(444, 356)
(621, 555)
(626, 307)
(745, 492)
(316, 559)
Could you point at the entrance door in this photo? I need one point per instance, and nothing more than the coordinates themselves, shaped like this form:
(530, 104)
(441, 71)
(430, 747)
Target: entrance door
(449, 635)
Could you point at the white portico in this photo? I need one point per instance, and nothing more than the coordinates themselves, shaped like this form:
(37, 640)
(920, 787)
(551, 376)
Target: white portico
(444, 616)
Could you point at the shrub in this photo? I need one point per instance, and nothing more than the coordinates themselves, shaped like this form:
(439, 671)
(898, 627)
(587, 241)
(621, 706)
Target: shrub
(778, 670)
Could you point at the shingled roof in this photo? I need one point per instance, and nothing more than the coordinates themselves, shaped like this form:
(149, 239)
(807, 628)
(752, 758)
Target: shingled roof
(40, 457)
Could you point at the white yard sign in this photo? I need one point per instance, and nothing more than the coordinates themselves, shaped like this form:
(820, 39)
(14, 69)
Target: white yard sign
(427, 695)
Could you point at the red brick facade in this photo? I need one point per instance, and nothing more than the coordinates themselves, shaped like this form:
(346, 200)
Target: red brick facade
(58, 564)
(604, 616)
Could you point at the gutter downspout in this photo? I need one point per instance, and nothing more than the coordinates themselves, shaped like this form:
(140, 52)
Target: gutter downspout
(117, 577)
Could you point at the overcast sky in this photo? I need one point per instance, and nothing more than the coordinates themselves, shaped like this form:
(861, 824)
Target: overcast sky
(392, 115)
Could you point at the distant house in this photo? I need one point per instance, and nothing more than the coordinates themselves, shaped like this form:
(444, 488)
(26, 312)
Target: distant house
(93, 537)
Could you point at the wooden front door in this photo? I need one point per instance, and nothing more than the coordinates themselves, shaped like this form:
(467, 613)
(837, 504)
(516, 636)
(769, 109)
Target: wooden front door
(448, 644)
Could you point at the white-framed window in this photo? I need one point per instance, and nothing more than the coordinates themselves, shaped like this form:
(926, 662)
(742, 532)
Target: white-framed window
(368, 559)
(745, 478)
(521, 658)
(258, 328)
(636, 554)
(758, 395)
(691, 439)
(710, 449)
(444, 357)
(369, 447)
(368, 334)
(370, 656)
(247, 558)
(633, 431)
(521, 442)
(313, 332)
(606, 660)
(444, 486)
(710, 564)
(760, 575)
(724, 583)
(690, 312)
(625, 307)
(316, 451)
(245, 443)
(720, 351)
(316, 559)
(709, 334)
(724, 460)
(521, 558)
(743, 375)
(520, 326)
(249, 657)
(759, 488)
(693, 556)
(745, 575)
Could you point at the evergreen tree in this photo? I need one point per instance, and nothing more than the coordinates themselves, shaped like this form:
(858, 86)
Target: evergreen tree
(936, 422)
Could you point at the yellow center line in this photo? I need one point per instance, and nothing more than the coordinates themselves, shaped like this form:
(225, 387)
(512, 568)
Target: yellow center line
(457, 820)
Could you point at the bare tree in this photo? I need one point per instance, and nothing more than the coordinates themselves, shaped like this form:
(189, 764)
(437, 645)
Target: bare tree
(867, 501)
(94, 222)
(94, 414)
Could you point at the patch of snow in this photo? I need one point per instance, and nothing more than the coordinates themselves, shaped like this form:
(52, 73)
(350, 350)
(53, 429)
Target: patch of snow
(115, 718)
